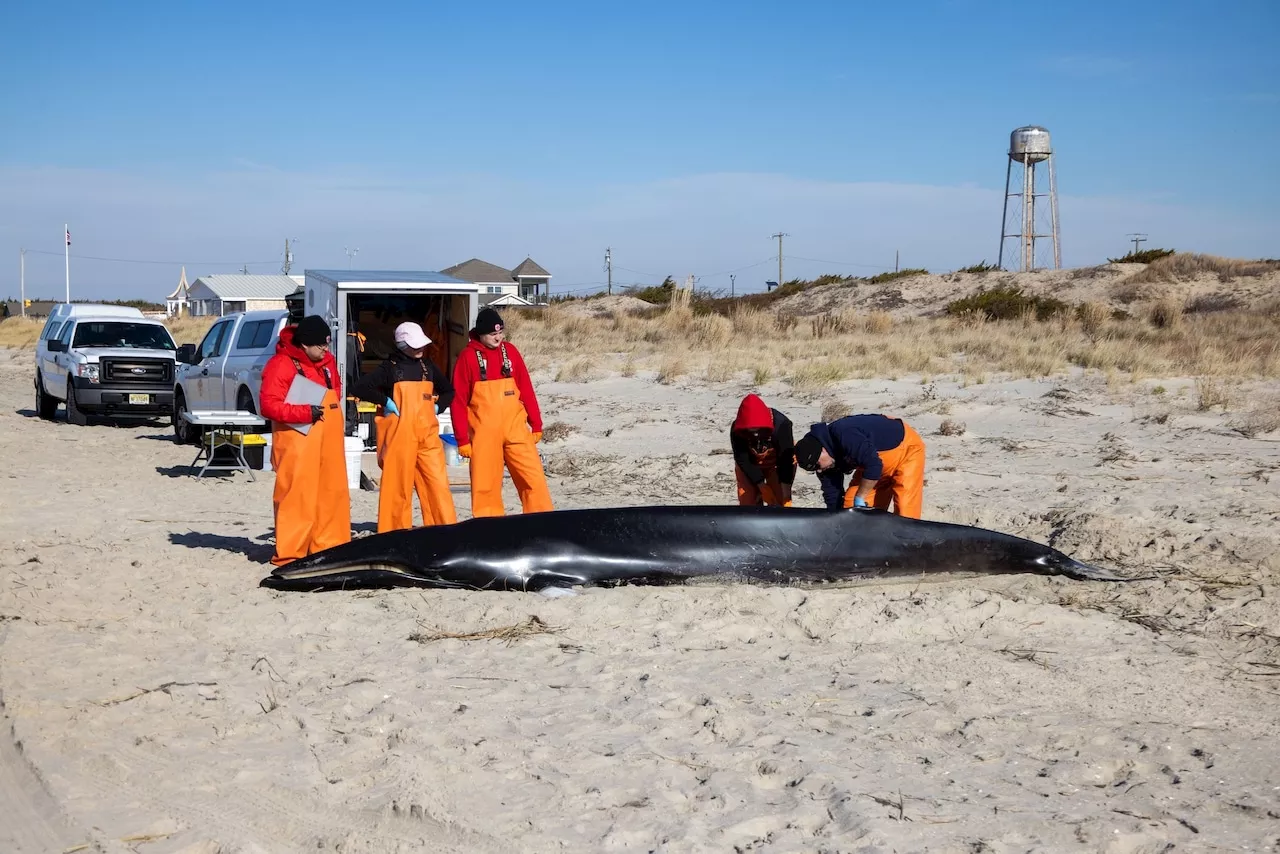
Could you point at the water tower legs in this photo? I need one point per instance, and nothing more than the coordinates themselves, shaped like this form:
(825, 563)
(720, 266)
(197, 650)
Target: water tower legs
(1004, 215)
(1053, 214)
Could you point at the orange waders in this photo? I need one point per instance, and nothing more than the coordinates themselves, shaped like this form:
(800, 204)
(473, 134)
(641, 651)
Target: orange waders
(412, 455)
(768, 493)
(312, 502)
(500, 434)
(902, 481)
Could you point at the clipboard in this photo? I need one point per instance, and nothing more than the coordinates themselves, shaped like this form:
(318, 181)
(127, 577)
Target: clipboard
(305, 392)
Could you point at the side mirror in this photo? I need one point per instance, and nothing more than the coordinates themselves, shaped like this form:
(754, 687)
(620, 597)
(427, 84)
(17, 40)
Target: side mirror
(186, 354)
(56, 346)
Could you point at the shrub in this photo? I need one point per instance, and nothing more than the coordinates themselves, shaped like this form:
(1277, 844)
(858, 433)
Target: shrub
(833, 409)
(1145, 256)
(1166, 314)
(951, 427)
(557, 430)
(881, 278)
(981, 267)
(1006, 302)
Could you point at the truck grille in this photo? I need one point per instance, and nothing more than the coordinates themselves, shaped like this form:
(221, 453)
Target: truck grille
(137, 371)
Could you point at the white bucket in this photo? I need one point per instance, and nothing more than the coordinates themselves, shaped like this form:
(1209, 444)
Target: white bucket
(354, 447)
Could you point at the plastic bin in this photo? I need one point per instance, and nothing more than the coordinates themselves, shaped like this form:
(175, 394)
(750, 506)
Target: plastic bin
(354, 447)
(451, 455)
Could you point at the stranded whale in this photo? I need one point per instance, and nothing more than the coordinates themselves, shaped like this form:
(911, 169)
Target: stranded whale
(670, 545)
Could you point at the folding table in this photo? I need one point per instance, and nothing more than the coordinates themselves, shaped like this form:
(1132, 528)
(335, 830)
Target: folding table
(218, 426)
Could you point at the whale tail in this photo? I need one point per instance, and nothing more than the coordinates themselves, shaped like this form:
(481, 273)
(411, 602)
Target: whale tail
(1056, 563)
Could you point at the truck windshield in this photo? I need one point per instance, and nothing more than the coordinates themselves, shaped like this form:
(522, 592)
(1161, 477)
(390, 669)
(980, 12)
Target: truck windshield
(138, 336)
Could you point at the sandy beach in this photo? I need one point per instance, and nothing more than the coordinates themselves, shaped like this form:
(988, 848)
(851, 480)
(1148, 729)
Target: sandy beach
(156, 700)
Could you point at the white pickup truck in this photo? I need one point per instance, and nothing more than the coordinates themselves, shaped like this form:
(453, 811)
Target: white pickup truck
(224, 371)
(103, 360)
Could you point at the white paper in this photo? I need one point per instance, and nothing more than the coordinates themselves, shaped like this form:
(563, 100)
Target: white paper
(305, 392)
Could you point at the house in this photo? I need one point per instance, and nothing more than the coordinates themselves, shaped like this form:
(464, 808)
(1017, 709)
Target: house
(527, 284)
(175, 304)
(214, 296)
(35, 307)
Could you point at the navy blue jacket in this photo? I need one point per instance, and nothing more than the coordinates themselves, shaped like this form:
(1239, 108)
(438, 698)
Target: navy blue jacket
(854, 442)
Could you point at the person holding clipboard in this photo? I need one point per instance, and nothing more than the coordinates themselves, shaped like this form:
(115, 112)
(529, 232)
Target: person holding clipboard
(301, 394)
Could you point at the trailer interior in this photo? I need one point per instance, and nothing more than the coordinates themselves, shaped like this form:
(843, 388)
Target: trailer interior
(372, 319)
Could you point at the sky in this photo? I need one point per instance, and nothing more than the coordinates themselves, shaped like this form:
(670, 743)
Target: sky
(679, 135)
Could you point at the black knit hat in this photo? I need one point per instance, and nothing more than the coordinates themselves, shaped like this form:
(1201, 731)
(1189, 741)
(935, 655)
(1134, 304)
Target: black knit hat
(488, 320)
(311, 331)
(808, 450)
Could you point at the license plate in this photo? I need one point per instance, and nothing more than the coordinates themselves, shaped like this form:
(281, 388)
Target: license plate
(139, 399)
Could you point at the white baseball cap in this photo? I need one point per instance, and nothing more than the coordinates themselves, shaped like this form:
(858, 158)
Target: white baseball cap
(410, 335)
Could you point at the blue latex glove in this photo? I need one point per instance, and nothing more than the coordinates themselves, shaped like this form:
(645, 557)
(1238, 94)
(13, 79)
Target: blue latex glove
(859, 501)
(390, 407)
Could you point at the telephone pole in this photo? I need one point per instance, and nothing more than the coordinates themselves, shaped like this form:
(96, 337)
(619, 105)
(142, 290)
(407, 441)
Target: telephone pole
(732, 279)
(780, 235)
(351, 253)
(1137, 238)
(608, 266)
(288, 258)
(22, 280)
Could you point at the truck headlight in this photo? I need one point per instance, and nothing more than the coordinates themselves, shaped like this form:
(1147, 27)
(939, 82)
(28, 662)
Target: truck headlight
(88, 372)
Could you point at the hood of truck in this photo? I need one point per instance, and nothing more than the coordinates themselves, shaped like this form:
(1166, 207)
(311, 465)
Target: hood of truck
(94, 354)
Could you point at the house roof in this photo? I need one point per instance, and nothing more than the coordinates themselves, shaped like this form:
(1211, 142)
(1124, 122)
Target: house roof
(510, 299)
(237, 286)
(530, 267)
(180, 293)
(476, 270)
(388, 277)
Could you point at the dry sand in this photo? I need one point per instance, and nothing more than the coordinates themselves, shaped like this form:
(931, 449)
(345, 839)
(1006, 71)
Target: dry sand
(157, 700)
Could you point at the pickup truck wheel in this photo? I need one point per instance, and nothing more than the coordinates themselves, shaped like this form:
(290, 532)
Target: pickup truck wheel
(244, 401)
(45, 406)
(184, 433)
(74, 414)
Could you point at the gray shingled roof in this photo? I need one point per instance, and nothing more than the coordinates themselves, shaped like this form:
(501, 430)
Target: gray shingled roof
(530, 267)
(237, 286)
(476, 270)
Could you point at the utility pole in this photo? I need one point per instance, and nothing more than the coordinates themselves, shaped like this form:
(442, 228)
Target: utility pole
(244, 270)
(895, 260)
(1137, 238)
(780, 235)
(351, 253)
(288, 258)
(608, 266)
(22, 280)
(732, 279)
(66, 228)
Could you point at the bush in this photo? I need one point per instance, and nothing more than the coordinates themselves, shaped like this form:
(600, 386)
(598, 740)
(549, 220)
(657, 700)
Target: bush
(981, 267)
(1145, 256)
(881, 278)
(1006, 302)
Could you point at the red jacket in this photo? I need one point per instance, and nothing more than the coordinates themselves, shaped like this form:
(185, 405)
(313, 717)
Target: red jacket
(753, 414)
(278, 375)
(466, 373)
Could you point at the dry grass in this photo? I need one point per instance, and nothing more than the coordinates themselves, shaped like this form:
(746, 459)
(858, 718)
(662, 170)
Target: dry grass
(1189, 265)
(1167, 313)
(834, 409)
(557, 430)
(1211, 393)
(580, 370)
(189, 330)
(20, 333)
(509, 634)
(675, 342)
(951, 427)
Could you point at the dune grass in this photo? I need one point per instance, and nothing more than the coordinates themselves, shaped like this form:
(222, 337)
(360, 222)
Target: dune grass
(23, 332)
(1160, 340)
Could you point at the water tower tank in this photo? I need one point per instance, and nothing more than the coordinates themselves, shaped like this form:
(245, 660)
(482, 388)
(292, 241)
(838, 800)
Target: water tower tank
(1029, 144)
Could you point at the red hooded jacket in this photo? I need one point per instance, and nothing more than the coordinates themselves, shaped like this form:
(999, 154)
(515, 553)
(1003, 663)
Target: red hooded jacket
(466, 373)
(753, 414)
(278, 375)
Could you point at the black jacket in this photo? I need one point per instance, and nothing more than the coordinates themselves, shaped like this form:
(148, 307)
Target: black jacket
(377, 385)
(783, 444)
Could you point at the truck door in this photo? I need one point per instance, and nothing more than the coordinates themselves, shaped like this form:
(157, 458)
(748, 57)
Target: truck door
(62, 361)
(206, 375)
(242, 367)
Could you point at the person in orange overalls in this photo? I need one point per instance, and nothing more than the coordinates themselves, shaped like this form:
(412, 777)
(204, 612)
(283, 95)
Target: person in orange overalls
(497, 420)
(312, 502)
(764, 454)
(884, 455)
(410, 390)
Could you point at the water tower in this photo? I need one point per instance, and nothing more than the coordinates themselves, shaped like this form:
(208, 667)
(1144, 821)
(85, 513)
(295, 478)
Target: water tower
(1026, 221)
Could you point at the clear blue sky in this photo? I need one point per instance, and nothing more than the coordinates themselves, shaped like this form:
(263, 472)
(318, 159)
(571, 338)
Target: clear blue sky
(680, 134)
